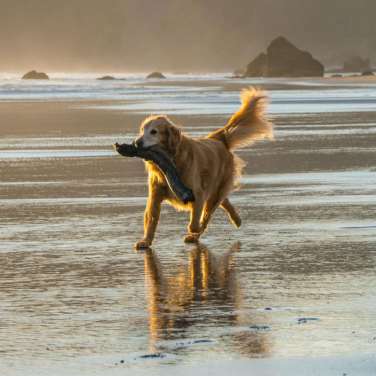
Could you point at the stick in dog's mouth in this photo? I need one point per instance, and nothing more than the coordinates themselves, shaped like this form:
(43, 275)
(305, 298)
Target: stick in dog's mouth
(165, 163)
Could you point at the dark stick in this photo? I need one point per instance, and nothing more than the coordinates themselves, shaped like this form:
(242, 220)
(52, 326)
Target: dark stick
(156, 155)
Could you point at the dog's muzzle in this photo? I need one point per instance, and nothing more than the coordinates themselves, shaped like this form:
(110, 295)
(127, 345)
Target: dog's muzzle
(138, 142)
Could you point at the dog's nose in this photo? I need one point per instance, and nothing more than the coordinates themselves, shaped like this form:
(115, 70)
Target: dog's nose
(139, 143)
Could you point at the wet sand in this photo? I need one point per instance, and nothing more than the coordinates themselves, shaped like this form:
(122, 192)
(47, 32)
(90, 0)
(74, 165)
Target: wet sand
(294, 286)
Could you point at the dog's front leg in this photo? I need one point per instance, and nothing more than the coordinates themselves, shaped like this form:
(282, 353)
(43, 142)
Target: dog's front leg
(151, 218)
(194, 227)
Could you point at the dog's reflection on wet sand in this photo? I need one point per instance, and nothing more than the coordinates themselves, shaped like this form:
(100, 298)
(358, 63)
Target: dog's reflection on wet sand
(204, 293)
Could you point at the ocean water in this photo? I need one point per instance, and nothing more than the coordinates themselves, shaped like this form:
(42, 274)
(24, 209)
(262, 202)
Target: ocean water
(296, 280)
(190, 94)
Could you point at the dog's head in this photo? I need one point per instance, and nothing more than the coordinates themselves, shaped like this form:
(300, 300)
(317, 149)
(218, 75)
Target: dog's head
(159, 130)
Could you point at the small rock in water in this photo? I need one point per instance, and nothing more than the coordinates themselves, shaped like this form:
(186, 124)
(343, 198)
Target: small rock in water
(268, 308)
(34, 75)
(260, 327)
(152, 356)
(122, 361)
(185, 344)
(106, 78)
(304, 320)
(202, 341)
(157, 75)
(368, 73)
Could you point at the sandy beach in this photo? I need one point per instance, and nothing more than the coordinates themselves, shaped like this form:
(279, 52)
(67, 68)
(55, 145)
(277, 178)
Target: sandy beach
(292, 292)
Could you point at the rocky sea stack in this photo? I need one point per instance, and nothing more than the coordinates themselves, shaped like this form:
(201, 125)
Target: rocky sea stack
(34, 75)
(258, 67)
(283, 59)
(157, 75)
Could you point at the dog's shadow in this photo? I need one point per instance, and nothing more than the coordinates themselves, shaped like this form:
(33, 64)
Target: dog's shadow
(204, 293)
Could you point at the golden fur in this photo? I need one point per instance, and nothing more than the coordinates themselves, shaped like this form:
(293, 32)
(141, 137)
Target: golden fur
(206, 165)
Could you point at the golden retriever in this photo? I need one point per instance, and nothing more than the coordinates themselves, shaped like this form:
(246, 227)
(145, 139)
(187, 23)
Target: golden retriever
(207, 165)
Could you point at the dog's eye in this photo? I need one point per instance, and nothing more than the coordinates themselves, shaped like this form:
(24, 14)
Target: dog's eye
(153, 131)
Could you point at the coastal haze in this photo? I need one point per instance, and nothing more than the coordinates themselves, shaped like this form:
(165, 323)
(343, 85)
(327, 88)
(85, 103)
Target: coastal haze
(211, 35)
(291, 292)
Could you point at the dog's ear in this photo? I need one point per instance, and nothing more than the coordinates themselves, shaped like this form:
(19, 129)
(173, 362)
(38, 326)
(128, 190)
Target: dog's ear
(173, 139)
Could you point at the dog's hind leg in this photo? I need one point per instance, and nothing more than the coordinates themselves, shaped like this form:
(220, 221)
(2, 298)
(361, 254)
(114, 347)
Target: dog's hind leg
(194, 227)
(231, 211)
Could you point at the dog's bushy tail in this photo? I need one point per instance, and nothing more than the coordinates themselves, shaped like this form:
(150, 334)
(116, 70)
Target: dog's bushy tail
(248, 124)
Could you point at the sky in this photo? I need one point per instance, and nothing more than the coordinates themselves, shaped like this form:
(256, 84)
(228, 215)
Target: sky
(177, 35)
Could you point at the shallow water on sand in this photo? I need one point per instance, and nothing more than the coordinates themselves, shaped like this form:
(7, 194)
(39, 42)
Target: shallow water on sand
(297, 279)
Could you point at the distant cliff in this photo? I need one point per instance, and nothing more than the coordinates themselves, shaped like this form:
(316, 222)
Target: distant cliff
(356, 64)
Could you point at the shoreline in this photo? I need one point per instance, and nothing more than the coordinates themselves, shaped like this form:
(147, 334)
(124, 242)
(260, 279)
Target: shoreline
(352, 364)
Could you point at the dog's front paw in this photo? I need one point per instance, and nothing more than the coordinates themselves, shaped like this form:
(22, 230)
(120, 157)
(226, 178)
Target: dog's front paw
(142, 244)
(191, 238)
